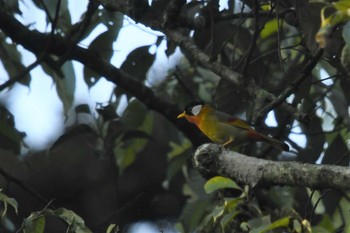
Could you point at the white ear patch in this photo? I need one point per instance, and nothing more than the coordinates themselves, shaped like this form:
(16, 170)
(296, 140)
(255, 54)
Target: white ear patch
(196, 110)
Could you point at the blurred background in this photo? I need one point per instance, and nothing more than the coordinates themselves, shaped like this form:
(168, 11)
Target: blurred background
(105, 144)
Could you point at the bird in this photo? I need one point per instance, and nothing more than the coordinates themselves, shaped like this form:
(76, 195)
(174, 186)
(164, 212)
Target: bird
(224, 129)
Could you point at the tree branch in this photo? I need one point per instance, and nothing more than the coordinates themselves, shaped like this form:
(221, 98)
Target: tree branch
(191, 50)
(204, 60)
(33, 41)
(293, 86)
(40, 57)
(213, 159)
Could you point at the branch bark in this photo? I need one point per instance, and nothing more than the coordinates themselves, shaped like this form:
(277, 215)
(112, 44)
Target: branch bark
(212, 160)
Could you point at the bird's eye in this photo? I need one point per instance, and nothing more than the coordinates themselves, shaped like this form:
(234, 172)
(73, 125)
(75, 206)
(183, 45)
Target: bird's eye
(196, 110)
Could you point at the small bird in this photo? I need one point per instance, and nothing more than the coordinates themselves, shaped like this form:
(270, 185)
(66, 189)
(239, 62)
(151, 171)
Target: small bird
(224, 129)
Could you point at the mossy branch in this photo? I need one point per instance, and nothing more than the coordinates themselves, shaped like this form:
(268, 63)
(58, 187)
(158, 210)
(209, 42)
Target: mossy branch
(212, 160)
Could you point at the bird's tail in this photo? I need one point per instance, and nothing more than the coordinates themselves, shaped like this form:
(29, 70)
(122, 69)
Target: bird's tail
(275, 143)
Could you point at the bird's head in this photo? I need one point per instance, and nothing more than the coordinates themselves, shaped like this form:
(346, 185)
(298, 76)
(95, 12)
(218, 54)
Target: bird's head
(194, 111)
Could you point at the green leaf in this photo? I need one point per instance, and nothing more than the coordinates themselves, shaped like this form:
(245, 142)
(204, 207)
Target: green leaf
(64, 18)
(345, 57)
(193, 213)
(258, 224)
(270, 28)
(342, 5)
(179, 227)
(327, 224)
(319, 229)
(66, 86)
(227, 218)
(178, 149)
(10, 137)
(231, 204)
(8, 201)
(283, 222)
(34, 223)
(136, 118)
(75, 222)
(113, 228)
(218, 212)
(12, 61)
(126, 152)
(341, 15)
(346, 33)
(219, 182)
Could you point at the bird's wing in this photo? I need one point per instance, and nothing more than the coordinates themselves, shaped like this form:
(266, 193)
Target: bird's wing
(234, 121)
(239, 123)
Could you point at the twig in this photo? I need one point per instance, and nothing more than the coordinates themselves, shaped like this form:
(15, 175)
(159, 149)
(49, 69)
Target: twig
(203, 59)
(36, 214)
(292, 47)
(40, 58)
(342, 158)
(317, 202)
(230, 16)
(230, 37)
(75, 36)
(292, 87)
(18, 77)
(308, 203)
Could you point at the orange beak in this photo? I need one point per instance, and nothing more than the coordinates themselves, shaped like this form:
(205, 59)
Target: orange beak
(182, 115)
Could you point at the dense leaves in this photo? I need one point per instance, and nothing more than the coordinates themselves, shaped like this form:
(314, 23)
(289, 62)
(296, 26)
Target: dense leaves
(129, 159)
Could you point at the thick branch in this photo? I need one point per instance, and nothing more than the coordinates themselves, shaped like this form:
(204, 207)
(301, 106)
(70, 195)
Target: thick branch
(40, 58)
(33, 41)
(212, 160)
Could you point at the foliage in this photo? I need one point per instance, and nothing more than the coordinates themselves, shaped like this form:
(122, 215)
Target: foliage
(115, 169)
(35, 223)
